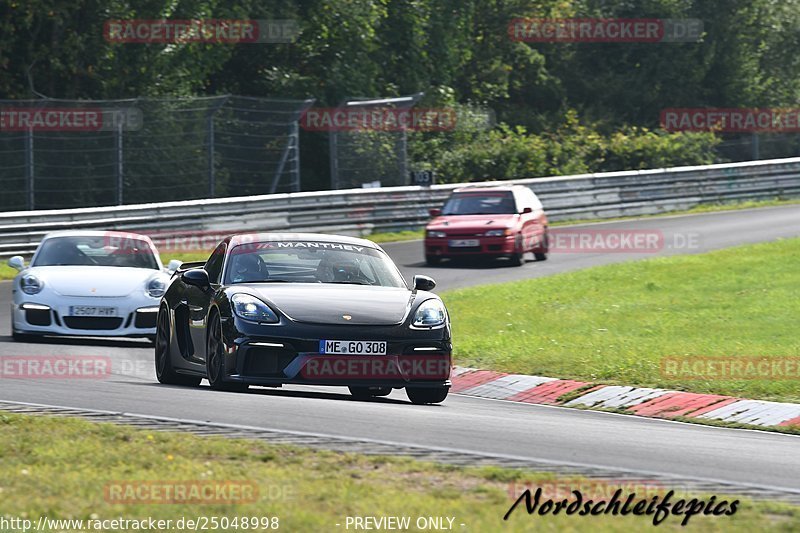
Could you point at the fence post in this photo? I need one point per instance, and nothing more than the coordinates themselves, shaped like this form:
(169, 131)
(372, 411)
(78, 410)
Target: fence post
(755, 143)
(295, 133)
(120, 155)
(212, 178)
(29, 169)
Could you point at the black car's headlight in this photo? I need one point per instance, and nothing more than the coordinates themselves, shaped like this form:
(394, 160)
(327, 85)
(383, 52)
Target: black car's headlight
(156, 287)
(251, 308)
(430, 314)
(30, 284)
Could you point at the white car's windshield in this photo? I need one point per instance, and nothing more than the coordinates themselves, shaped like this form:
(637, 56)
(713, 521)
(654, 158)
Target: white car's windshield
(95, 251)
(311, 262)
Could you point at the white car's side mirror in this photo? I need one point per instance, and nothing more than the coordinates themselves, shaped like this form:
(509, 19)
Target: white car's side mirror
(174, 265)
(17, 262)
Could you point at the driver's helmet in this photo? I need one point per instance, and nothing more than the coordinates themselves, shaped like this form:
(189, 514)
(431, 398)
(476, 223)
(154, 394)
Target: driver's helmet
(247, 267)
(345, 269)
(335, 267)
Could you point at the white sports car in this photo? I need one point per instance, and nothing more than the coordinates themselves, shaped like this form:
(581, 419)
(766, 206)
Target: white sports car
(89, 283)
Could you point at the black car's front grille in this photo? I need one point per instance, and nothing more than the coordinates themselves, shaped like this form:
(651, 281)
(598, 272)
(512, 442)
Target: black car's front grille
(92, 322)
(266, 361)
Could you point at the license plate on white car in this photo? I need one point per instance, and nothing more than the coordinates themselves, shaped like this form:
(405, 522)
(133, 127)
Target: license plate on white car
(464, 243)
(92, 310)
(352, 347)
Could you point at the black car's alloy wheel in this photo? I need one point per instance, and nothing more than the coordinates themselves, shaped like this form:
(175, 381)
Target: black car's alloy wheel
(420, 395)
(215, 358)
(164, 371)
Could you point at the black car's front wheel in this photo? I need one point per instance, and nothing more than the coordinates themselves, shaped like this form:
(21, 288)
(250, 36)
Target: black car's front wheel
(423, 395)
(215, 358)
(165, 373)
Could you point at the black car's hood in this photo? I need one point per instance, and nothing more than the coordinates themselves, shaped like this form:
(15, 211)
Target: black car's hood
(321, 303)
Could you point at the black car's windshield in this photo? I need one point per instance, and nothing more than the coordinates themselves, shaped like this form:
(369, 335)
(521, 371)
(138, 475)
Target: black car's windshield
(311, 262)
(98, 250)
(480, 204)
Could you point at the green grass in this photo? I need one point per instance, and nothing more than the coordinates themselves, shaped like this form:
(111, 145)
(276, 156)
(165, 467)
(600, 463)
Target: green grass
(613, 324)
(699, 209)
(396, 236)
(59, 467)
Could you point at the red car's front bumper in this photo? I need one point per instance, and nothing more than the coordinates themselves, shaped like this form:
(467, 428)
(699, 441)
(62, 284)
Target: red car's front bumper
(486, 246)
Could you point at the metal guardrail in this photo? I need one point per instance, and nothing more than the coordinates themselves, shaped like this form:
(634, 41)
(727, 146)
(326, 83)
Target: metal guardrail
(363, 211)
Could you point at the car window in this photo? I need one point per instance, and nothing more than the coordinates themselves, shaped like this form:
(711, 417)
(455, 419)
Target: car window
(214, 264)
(480, 204)
(99, 250)
(311, 262)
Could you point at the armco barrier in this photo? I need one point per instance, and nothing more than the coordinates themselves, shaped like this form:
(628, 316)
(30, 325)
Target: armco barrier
(362, 211)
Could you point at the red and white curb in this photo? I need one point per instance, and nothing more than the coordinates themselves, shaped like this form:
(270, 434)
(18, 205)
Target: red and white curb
(658, 403)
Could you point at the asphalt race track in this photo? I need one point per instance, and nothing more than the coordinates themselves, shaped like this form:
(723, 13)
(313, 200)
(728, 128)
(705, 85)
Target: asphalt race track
(541, 433)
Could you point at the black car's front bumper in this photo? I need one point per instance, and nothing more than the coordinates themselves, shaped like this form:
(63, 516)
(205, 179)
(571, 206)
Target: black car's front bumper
(260, 354)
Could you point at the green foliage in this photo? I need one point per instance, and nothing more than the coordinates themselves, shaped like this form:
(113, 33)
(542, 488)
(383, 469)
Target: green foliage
(511, 152)
(569, 107)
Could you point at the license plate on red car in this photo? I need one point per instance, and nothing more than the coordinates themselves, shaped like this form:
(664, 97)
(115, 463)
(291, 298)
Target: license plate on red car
(464, 243)
(352, 347)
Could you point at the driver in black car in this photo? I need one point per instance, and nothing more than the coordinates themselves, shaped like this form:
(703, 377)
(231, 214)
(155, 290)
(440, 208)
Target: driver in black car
(248, 268)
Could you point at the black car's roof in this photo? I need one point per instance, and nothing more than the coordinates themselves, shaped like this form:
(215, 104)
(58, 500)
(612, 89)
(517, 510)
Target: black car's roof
(249, 238)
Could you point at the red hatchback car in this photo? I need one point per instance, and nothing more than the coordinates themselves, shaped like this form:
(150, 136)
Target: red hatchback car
(504, 221)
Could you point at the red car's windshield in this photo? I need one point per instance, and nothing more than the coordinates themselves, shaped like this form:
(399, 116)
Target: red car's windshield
(480, 204)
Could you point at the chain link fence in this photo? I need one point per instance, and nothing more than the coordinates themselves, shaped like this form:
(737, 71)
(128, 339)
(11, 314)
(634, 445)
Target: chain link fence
(758, 146)
(371, 157)
(67, 153)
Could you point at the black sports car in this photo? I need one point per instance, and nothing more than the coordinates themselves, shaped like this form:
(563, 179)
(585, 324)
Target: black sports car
(268, 309)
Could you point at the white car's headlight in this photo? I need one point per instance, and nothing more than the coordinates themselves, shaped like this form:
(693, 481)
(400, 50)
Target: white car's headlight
(30, 284)
(156, 287)
(437, 234)
(497, 232)
(430, 314)
(251, 308)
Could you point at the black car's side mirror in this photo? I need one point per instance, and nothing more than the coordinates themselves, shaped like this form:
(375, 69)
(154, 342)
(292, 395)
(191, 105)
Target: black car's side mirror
(197, 277)
(423, 283)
